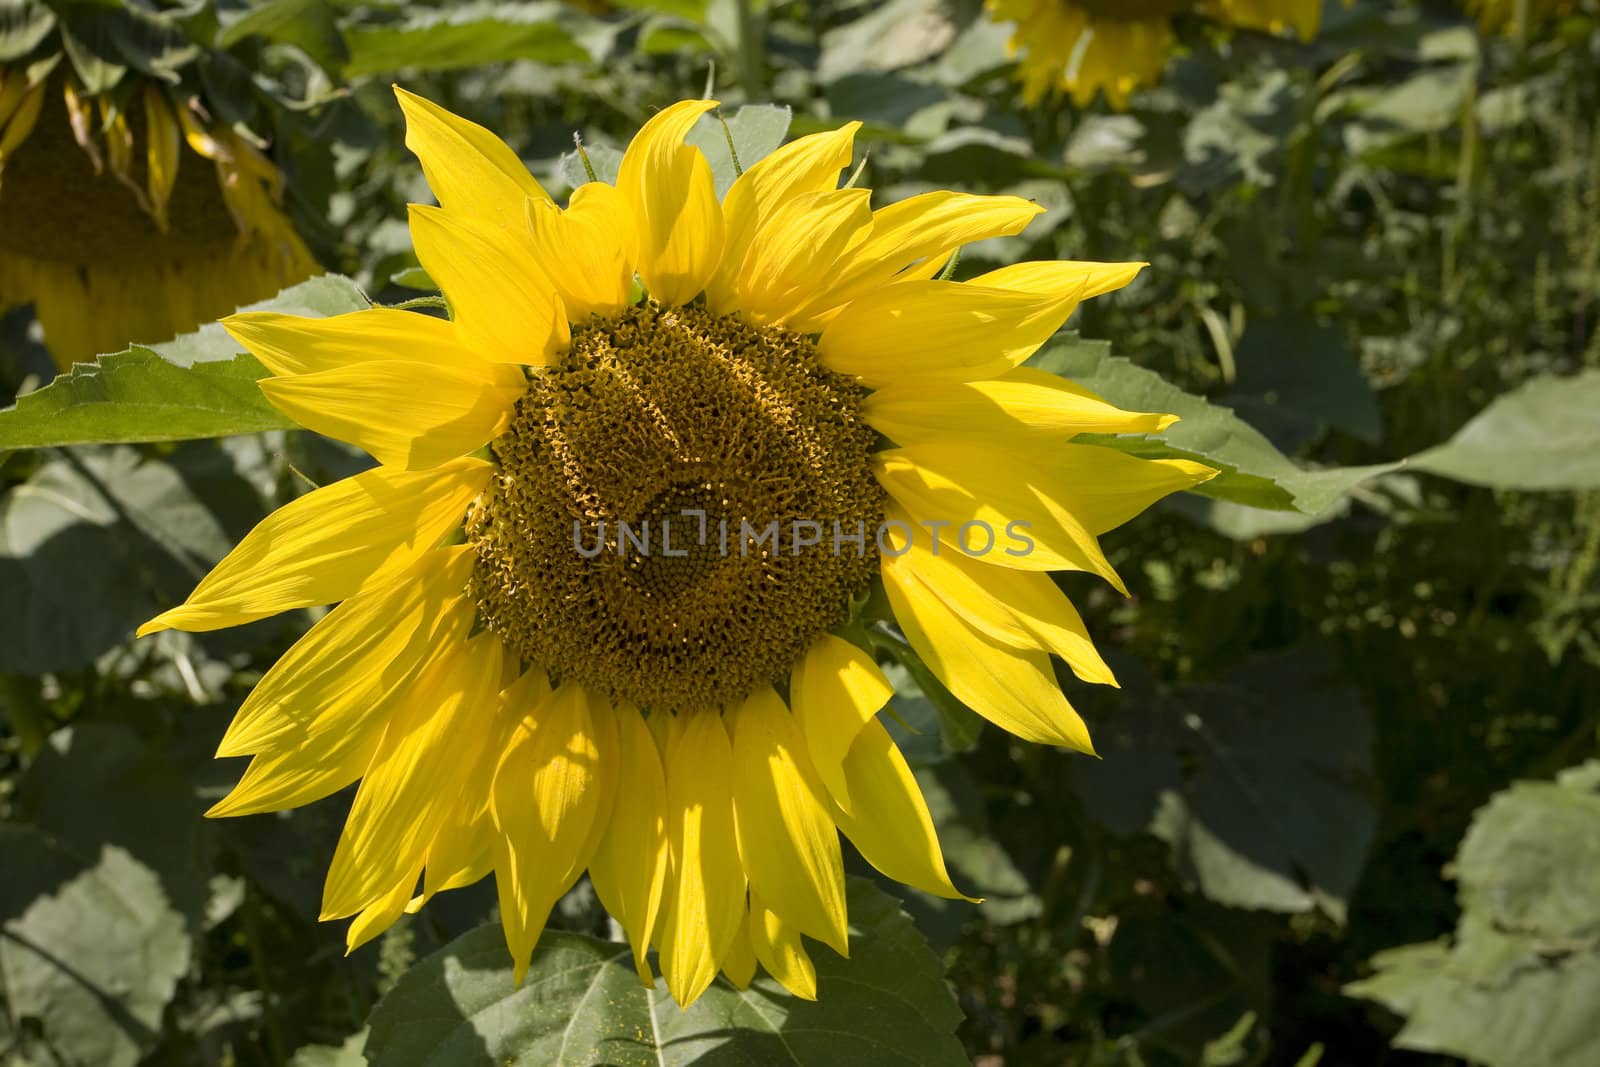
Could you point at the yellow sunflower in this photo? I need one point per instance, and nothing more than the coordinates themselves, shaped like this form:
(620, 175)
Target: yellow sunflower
(111, 234)
(611, 641)
(1084, 47)
(1500, 16)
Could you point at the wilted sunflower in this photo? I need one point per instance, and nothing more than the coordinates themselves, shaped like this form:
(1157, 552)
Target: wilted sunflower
(110, 229)
(1082, 47)
(1500, 16)
(521, 686)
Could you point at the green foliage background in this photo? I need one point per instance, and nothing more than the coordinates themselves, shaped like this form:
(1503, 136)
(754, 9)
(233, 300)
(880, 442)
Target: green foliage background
(1349, 801)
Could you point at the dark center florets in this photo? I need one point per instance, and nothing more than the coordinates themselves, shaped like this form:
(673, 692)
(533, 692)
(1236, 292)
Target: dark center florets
(684, 502)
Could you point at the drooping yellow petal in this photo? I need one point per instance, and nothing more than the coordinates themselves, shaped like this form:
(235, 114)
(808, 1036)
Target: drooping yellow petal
(1023, 609)
(296, 344)
(1061, 275)
(1019, 402)
(163, 142)
(739, 966)
(630, 866)
(808, 164)
(587, 250)
(1014, 688)
(669, 187)
(835, 689)
(330, 544)
(475, 175)
(24, 116)
(961, 488)
(552, 793)
(505, 307)
(796, 247)
(405, 414)
(354, 661)
(890, 825)
(705, 899)
(463, 851)
(930, 332)
(416, 776)
(777, 945)
(787, 841)
(913, 231)
(381, 914)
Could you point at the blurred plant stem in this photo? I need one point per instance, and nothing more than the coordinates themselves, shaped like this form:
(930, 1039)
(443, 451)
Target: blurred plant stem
(752, 56)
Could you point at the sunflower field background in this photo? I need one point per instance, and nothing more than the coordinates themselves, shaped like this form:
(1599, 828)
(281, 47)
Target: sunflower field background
(1348, 805)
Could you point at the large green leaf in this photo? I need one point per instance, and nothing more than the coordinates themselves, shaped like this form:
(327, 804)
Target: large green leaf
(1542, 435)
(1254, 472)
(581, 1003)
(198, 385)
(465, 35)
(98, 540)
(1242, 784)
(1518, 983)
(23, 24)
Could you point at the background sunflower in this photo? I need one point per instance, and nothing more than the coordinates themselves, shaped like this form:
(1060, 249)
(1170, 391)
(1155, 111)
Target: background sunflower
(136, 202)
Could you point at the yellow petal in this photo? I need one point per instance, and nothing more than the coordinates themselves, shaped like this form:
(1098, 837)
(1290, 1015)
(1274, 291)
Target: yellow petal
(629, 869)
(808, 164)
(739, 967)
(948, 488)
(669, 187)
(928, 332)
(550, 796)
(587, 250)
(416, 776)
(354, 661)
(463, 851)
(24, 115)
(777, 945)
(787, 842)
(890, 825)
(331, 544)
(1014, 688)
(475, 175)
(160, 152)
(795, 251)
(1061, 276)
(1023, 609)
(1018, 403)
(405, 414)
(914, 230)
(705, 898)
(381, 914)
(296, 344)
(505, 307)
(835, 690)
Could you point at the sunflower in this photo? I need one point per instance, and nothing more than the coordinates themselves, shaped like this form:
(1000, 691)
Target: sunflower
(112, 232)
(1501, 16)
(1084, 47)
(612, 641)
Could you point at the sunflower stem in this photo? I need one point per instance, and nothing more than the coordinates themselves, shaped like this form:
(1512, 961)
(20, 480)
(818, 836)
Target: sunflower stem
(752, 50)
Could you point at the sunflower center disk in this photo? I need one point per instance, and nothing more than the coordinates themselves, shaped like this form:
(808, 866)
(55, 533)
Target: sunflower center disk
(684, 503)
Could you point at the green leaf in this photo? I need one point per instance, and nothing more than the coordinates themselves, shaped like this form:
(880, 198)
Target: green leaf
(310, 25)
(192, 387)
(1542, 435)
(757, 130)
(96, 541)
(581, 1003)
(1242, 785)
(138, 396)
(1254, 472)
(1518, 983)
(23, 25)
(345, 1055)
(605, 160)
(90, 948)
(891, 36)
(465, 35)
